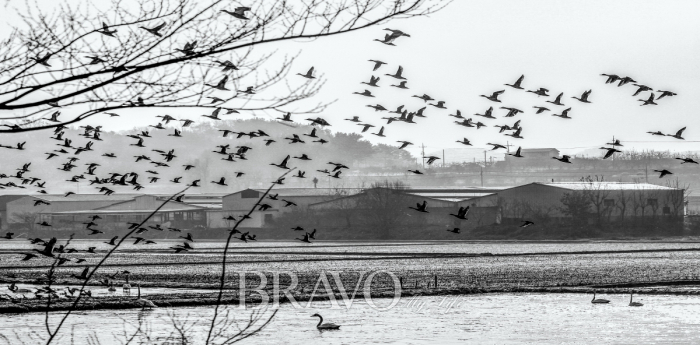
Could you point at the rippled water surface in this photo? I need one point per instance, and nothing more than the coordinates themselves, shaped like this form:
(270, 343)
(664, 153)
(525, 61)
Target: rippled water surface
(475, 319)
(379, 247)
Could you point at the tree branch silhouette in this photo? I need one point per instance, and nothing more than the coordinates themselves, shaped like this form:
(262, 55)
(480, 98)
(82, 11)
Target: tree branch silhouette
(136, 65)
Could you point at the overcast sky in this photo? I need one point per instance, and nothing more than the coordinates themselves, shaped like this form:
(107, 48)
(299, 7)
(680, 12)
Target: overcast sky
(474, 47)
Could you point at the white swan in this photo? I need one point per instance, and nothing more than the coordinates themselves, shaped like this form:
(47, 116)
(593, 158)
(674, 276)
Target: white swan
(634, 304)
(322, 325)
(599, 300)
(142, 301)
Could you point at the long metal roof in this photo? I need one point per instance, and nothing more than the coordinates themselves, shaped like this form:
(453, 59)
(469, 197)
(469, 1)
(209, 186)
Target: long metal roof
(85, 197)
(607, 186)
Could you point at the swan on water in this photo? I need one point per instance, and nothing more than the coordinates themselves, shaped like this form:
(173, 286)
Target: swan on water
(17, 290)
(142, 301)
(634, 304)
(322, 325)
(599, 300)
(126, 288)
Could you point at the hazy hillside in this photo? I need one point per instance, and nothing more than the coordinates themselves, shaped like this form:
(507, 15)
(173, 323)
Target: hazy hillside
(195, 147)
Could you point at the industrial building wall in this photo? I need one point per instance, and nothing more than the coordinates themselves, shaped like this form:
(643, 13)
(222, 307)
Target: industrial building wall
(540, 198)
(148, 203)
(370, 198)
(243, 201)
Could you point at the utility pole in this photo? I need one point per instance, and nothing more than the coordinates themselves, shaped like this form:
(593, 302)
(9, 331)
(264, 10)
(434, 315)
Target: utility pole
(613, 155)
(508, 146)
(646, 173)
(443, 158)
(482, 170)
(422, 153)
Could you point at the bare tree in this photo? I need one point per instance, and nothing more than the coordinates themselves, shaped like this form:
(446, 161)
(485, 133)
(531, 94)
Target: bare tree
(25, 219)
(622, 203)
(598, 194)
(167, 54)
(381, 212)
(577, 205)
(639, 203)
(653, 202)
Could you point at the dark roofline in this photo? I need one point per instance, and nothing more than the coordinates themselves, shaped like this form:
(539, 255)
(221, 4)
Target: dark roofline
(262, 190)
(364, 192)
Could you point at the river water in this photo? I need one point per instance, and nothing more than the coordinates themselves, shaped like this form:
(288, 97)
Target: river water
(503, 318)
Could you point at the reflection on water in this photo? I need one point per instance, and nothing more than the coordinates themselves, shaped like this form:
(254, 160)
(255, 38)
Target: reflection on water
(474, 319)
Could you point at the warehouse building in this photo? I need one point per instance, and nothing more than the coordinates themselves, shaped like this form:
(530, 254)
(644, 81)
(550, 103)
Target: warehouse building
(441, 203)
(608, 199)
(69, 212)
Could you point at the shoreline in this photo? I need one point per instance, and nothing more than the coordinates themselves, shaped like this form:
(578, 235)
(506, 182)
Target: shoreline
(209, 299)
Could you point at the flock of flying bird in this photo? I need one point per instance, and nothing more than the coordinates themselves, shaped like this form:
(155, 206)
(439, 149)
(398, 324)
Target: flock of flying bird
(515, 130)
(106, 184)
(558, 105)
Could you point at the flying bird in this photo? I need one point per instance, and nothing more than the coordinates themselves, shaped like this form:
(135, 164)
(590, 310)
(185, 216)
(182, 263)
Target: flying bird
(239, 12)
(517, 83)
(461, 213)
(688, 160)
(663, 173)
(516, 154)
(377, 64)
(648, 101)
(584, 97)
(610, 152)
(557, 101)
(563, 159)
(526, 223)
(678, 134)
(155, 30)
(420, 207)
(431, 159)
(494, 96)
(398, 74)
(309, 74)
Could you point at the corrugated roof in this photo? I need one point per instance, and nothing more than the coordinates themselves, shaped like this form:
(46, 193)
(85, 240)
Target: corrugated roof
(537, 150)
(607, 186)
(456, 189)
(189, 198)
(99, 211)
(208, 206)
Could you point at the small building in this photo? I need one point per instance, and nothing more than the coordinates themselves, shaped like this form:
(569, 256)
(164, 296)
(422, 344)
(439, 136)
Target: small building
(533, 154)
(116, 216)
(28, 210)
(116, 210)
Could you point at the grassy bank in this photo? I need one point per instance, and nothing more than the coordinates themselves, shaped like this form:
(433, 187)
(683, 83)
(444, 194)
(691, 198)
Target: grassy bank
(231, 297)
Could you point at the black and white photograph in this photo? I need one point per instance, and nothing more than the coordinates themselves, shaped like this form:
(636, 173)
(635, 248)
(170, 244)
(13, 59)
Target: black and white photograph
(216, 172)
